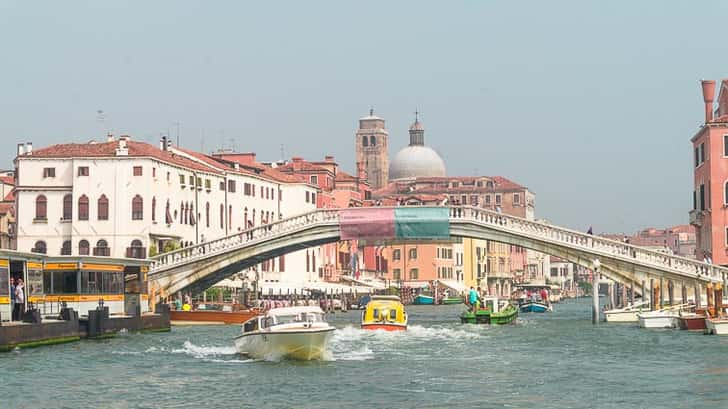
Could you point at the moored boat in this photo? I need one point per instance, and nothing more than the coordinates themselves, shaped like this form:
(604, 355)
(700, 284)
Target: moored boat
(691, 321)
(211, 317)
(291, 332)
(384, 312)
(423, 299)
(716, 326)
(452, 300)
(625, 314)
(658, 319)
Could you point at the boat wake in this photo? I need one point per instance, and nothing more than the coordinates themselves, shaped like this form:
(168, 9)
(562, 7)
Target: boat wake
(211, 353)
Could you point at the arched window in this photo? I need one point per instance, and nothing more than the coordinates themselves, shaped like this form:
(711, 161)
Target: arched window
(102, 208)
(66, 248)
(41, 207)
(102, 248)
(136, 243)
(245, 218)
(154, 208)
(167, 214)
(222, 216)
(136, 250)
(207, 214)
(413, 254)
(252, 221)
(83, 248)
(230, 217)
(39, 247)
(182, 213)
(725, 193)
(373, 140)
(68, 208)
(137, 208)
(83, 208)
(365, 141)
(193, 219)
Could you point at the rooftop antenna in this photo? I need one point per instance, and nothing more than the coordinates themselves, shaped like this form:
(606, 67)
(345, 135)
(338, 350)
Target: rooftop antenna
(177, 123)
(417, 115)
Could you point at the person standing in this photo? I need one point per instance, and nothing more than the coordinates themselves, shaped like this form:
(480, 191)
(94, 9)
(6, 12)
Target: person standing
(19, 300)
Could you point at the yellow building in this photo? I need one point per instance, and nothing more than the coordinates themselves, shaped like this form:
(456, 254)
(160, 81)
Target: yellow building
(487, 264)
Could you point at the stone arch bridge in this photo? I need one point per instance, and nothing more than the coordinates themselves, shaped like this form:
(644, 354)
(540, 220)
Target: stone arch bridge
(198, 267)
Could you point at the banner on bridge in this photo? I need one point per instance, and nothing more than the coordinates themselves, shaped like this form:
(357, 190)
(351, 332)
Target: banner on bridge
(394, 223)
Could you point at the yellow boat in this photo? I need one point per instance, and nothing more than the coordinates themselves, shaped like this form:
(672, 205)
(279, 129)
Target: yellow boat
(384, 312)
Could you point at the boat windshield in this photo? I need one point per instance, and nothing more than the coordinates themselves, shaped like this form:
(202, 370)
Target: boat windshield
(302, 317)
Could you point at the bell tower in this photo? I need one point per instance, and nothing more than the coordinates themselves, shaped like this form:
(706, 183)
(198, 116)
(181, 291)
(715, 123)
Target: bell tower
(372, 141)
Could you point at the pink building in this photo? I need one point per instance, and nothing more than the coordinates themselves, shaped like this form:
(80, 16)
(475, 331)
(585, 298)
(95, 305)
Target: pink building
(710, 163)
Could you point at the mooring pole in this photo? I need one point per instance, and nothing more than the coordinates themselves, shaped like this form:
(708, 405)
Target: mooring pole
(643, 291)
(652, 294)
(595, 292)
(631, 292)
(697, 295)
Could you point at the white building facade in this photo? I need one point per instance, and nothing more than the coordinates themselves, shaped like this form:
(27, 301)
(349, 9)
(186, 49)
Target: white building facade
(123, 198)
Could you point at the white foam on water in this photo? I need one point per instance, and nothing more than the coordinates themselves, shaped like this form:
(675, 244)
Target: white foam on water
(204, 351)
(361, 354)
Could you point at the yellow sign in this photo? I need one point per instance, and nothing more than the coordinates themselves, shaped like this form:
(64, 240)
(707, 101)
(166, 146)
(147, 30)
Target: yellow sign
(82, 298)
(61, 266)
(101, 267)
(4, 263)
(31, 264)
(4, 300)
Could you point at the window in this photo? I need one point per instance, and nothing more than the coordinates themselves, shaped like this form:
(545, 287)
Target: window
(154, 172)
(261, 192)
(497, 199)
(280, 195)
(396, 254)
(83, 208)
(39, 247)
(396, 274)
(207, 214)
(726, 236)
(182, 180)
(49, 172)
(41, 208)
(137, 170)
(313, 197)
(699, 154)
(230, 217)
(83, 248)
(413, 254)
(154, 209)
(487, 199)
(192, 180)
(222, 216)
(364, 141)
(516, 198)
(308, 196)
(702, 197)
(464, 199)
(102, 248)
(222, 185)
(246, 189)
(67, 207)
(137, 208)
(103, 208)
(208, 184)
(199, 182)
(231, 186)
(66, 248)
(414, 274)
(725, 145)
(373, 140)
(83, 171)
(474, 200)
(169, 176)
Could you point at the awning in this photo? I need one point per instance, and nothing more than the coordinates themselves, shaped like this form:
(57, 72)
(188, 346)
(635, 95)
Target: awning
(455, 285)
(376, 284)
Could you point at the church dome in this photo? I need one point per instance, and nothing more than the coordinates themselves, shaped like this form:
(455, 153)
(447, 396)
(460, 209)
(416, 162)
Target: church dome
(416, 161)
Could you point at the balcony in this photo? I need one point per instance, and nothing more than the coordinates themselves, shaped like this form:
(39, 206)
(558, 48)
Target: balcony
(102, 251)
(136, 252)
(696, 218)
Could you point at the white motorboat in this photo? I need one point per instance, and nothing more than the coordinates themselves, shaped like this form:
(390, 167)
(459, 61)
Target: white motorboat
(626, 314)
(658, 319)
(292, 332)
(716, 326)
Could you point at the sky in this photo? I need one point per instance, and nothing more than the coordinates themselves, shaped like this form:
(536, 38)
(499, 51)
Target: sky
(590, 104)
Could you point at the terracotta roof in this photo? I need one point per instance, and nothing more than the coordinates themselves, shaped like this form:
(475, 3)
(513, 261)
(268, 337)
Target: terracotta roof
(434, 185)
(108, 149)
(302, 166)
(8, 180)
(342, 176)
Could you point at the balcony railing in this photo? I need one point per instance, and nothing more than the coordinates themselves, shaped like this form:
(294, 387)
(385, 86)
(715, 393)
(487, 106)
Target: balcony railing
(102, 251)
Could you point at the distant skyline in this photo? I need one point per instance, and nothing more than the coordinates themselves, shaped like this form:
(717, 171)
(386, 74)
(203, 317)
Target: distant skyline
(591, 105)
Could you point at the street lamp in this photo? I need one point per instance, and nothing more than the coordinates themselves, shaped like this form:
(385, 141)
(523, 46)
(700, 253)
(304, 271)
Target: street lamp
(595, 290)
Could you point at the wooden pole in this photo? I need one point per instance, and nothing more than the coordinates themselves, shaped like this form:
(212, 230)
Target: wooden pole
(662, 295)
(670, 292)
(595, 296)
(696, 294)
(631, 292)
(652, 294)
(644, 296)
(684, 293)
(718, 300)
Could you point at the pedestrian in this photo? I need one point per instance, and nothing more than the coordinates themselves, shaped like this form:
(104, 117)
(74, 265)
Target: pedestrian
(19, 300)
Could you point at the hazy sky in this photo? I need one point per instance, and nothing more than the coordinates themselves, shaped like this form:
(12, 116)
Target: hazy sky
(589, 104)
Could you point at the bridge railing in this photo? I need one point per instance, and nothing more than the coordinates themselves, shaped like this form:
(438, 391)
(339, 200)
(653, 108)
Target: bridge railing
(575, 239)
(242, 238)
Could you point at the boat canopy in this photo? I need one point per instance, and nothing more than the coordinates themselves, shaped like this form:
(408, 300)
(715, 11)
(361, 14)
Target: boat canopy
(454, 285)
(294, 311)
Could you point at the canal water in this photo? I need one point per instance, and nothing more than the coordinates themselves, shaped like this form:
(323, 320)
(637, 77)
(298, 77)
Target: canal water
(556, 360)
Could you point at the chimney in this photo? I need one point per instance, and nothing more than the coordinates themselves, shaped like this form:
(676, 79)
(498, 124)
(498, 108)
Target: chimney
(122, 150)
(708, 97)
(109, 137)
(297, 160)
(125, 138)
(21, 149)
(329, 158)
(29, 148)
(163, 143)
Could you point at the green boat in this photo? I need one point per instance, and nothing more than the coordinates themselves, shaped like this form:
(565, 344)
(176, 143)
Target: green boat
(495, 312)
(452, 300)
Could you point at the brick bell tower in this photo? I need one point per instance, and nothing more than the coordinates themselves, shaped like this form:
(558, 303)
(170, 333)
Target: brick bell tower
(372, 141)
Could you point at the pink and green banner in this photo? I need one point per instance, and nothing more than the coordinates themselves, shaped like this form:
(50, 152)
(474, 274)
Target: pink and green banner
(411, 222)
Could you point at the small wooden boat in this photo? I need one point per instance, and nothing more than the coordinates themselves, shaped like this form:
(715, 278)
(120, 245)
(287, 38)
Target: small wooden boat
(494, 312)
(384, 312)
(452, 300)
(534, 306)
(211, 317)
(423, 299)
(663, 318)
(691, 321)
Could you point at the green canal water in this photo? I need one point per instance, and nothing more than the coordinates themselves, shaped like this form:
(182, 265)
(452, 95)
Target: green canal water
(556, 360)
